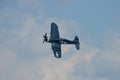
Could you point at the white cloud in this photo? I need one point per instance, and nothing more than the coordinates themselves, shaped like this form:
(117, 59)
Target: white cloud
(107, 61)
(55, 69)
(7, 60)
(112, 41)
(26, 41)
(28, 26)
(47, 67)
(7, 56)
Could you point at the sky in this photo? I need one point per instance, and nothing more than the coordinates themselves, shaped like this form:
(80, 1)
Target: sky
(24, 57)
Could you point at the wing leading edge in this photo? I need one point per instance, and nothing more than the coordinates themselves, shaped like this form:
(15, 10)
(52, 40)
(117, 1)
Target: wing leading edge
(54, 31)
(54, 35)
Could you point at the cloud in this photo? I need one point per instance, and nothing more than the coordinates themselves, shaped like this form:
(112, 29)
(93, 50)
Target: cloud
(26, 46)
(107, 60)
(59, 69)
(26, 58)
(113, 44)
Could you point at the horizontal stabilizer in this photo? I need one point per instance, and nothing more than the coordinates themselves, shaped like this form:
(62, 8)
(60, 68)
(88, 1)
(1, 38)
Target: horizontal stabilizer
(77, 44)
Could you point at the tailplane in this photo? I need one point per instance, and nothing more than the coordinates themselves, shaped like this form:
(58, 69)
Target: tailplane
(77, 44)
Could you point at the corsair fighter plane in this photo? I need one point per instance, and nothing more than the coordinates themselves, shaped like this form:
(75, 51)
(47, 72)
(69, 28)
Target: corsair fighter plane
(56, 41)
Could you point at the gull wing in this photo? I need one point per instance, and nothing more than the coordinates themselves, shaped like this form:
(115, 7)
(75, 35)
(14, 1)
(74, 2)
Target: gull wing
(56, 50)
(54, 34)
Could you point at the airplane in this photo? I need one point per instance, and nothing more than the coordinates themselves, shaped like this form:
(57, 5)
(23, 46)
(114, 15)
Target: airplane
(56, 41)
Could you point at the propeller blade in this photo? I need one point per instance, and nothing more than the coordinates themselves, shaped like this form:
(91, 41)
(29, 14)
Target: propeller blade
(44, 37)
(43, 41)
(45, 34)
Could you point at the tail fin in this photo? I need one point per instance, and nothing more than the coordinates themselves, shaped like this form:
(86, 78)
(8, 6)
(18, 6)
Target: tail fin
(77, 44)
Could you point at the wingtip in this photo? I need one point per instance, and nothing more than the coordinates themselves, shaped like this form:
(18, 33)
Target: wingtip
(53, 23)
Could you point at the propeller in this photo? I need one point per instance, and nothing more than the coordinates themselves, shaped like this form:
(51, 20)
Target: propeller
(45, 37)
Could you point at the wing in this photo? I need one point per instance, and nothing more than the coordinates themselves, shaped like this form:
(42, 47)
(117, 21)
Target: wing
(56, 50)
(54, 34)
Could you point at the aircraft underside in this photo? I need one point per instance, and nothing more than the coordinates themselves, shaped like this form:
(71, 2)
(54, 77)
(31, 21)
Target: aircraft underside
(56, 49)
